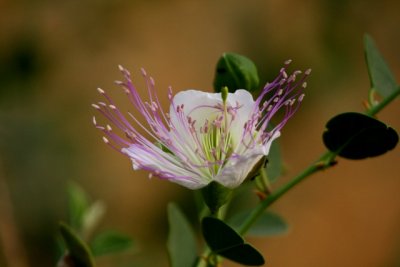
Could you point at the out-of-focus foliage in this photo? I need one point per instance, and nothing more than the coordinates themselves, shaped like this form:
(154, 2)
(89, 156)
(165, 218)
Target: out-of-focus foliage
(381, 77)
(181, 244)
(81, 238)
(78, 252)
(110, 242)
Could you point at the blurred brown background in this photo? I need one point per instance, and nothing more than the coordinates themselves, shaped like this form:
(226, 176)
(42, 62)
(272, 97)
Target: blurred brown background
(53, 55)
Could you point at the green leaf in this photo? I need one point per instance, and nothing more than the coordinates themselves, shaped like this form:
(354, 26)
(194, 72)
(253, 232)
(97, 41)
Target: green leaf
(235, 72)
(225, 241)
(274, 166)
(79, 252)
(357, 136)
(181, 244)
(268, 224)
(110, 242)
(78, 204)
(381, 78)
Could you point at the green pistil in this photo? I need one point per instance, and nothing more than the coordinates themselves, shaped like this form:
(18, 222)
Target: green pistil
(224, 94)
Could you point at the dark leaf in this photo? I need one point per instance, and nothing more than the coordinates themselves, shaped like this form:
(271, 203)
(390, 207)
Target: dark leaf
(110, 242)
(224, 241)
(235, 72)
(381, 78)
(244, 254)
(79, 252)
(181, 242)
(218, 235)
(357, 136)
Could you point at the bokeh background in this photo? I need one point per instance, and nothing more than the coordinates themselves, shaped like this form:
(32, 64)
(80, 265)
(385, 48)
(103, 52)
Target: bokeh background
(53, 55)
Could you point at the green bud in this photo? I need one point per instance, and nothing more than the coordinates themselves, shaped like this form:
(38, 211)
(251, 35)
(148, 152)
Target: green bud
(235, 72)
(215, 196)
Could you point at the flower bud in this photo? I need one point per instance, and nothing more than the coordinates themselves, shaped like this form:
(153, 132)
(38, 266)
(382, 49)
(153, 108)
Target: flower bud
(235, 72)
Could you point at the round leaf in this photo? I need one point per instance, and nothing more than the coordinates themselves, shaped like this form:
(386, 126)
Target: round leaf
(357, 136)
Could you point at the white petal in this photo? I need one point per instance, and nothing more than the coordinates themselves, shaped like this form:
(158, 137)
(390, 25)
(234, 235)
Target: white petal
(189, 184)
(267, 146)
(246, 103)
(197, 104)
(236, 170)
(159, 161)
(244, 98)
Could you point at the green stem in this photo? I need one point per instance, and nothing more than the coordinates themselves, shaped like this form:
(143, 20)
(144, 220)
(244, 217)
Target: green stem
(326, 161)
